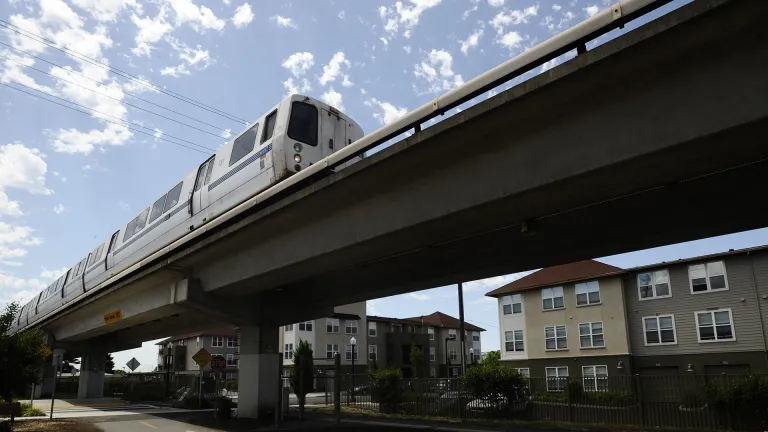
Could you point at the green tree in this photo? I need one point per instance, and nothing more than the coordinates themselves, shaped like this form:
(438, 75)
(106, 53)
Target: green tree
(493, 358)
(302, 361)
(21, 356)
(497, 384)
(417, 361)
(109, 367)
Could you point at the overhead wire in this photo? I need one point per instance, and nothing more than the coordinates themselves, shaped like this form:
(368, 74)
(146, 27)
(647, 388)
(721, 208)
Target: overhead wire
(119, 72)
(128, 126)
(107, 84)
(111, 97)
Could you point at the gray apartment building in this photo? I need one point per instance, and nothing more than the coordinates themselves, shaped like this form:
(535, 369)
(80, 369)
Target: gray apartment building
(175, 353)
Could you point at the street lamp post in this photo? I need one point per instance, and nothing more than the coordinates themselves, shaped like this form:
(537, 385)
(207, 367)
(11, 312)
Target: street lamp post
(471, 356)
(353, 342)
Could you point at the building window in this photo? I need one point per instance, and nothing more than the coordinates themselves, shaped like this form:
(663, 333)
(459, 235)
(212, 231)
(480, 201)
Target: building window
(595, 378)
(660, 330)
(331, 325)
(513, 341)
(431, 353)
(350, 327)
(372, 329)
(181, 342)
(475, 336)
(288, 352)
(653, 285)
(715, 325)
(217, 341)
(524, 372)
(556, 378)
(348, 352)
(587, 293)
(230, 342)
(331, 350)
(512, 304)
(289, 327)
(198, 341)
(555, 337)
(431, 332)
(708, 277)
(432, 373)
(453, 354)
(552, 298)
(591, 335)
(372, 352)
(455, 372)
(230, 359)
(452, 334)
(305, 326)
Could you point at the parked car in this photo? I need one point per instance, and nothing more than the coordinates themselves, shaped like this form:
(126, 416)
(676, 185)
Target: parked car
(452, 402)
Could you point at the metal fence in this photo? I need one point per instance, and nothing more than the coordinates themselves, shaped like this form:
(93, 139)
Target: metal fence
(697, 402)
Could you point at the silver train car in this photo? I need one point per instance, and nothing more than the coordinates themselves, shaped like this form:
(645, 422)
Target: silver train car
(293, 135)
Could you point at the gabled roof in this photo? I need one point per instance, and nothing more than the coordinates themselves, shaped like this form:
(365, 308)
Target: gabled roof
(556, 275)
(439, 319)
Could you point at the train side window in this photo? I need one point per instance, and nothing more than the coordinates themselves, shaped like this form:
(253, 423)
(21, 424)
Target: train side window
(92, 257)
(201, 176)
(303, 124)
(210, 169)
(173, 197)
(141, 220)
(244, 144)
(129, 230)
(98, 252)
(157, 209)
(269, 126)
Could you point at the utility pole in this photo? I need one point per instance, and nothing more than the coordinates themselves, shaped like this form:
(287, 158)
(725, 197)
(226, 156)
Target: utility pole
(461, 330)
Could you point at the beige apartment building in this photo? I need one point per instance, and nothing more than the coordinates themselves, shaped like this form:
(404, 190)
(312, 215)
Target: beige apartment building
(175, 353)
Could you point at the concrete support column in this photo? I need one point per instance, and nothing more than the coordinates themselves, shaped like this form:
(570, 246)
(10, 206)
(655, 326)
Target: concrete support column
(259, 365)
(92, 372)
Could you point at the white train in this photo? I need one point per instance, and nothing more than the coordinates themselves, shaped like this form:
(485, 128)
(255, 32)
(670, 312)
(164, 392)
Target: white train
(296, 133)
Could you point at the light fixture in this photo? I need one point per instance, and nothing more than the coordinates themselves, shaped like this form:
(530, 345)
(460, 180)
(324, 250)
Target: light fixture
(690, 368)
(620, 365)
(297, 158)
(297, 147)
(353, 341)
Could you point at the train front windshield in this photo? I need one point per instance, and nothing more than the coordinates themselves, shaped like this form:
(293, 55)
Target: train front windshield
(303, 124)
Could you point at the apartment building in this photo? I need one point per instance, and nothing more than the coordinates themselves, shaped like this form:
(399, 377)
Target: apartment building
(436, 335)
(175, 353)
(330, 335)
(567, 320)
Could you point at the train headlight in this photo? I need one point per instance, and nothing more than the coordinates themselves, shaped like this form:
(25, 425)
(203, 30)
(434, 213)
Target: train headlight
(297, 158)
(297, 147)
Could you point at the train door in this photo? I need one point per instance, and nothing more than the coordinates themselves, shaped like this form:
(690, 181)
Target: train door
(200, 194)
(333, 132)
(109, 261)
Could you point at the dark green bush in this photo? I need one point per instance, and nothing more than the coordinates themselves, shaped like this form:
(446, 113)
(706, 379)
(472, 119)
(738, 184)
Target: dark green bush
(385, 388)
(496, 383)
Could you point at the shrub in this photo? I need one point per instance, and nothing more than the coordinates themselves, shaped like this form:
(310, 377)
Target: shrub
(385, 387)
(496, 384)
(29, 411)
(303, 366)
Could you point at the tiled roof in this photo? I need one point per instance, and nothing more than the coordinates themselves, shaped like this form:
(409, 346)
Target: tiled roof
(439, 319)
(556, 275)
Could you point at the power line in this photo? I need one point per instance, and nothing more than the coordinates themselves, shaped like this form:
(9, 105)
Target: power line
(110, 115)
(100, 83)
(118, 72)
(107, 120)
(110, 97)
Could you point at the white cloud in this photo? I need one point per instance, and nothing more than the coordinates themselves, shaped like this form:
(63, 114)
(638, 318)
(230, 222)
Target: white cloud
(556, 7)
(299, 63)
(333, 69)
(150, 31)
(496, 3)
(490, 284)
(58, 209)
(437, 70)
(404, 15)
(105, 10)
(407, 49)
(52, 274)
(196, 58)
(513, 17)
(591, 10)
(333, 98)
(200, 18)
(471, 41)
(342, 15)
(8, 207)
(372, 307)
(418, 296)
(23, 168)
(510, 40)
(346, 82)
(74, 141)
(11, 234)
(388, 112)
(467, 12)
(300, 87)
(243, 15)
(284, 22)
(13, 71)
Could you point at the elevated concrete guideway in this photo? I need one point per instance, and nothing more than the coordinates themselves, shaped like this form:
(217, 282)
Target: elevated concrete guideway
(653, 138)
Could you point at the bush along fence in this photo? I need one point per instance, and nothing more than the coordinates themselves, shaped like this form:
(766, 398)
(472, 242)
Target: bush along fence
(499, 392)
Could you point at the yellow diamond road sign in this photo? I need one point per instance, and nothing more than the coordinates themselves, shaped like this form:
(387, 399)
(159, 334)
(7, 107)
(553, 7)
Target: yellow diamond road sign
(202, 357)
(45, 350)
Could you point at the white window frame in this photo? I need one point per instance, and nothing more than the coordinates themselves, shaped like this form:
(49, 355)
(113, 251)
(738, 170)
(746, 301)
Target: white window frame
(552, 293)
(333, 323)
(372, 332)
(708, 276)
(431, 353)
(557, 376)
(289, 327)
(230, 342)
(334, 348)
(512, 300)
(594, 378)
(475, 334)
(307, 326)
(373, 349)
(514, 340)
(431, 332)
(288, 351)
(452, 332)
(217, 341)
(350, 327)
(586, 288)
(231, 360)
(659, 329)
(591, 335)
(524, 372)
(453, 354)
(556, 337)
(714, 326)
(348, 352)
(653, 285)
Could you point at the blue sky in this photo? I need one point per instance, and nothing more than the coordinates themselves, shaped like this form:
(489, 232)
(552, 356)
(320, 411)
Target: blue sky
(68, 180)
